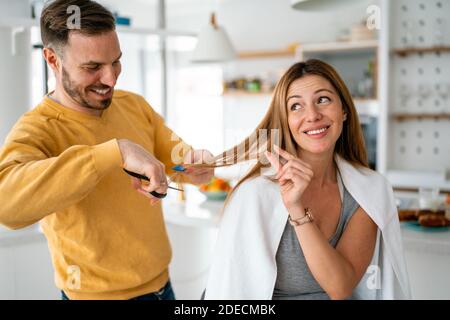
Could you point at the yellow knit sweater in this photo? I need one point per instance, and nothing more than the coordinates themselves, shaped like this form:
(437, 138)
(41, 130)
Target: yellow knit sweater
(64, 168)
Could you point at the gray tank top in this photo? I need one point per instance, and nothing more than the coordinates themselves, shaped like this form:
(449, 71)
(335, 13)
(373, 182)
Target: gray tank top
(294, 279)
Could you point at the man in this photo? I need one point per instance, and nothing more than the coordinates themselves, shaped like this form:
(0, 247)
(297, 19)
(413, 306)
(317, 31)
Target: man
(62, 165)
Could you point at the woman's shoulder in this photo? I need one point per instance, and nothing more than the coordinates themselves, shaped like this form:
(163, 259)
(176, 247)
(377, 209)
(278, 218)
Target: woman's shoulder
(259, 187)
(376, 178)
(259, 182)
(257, 196)
(358, 172)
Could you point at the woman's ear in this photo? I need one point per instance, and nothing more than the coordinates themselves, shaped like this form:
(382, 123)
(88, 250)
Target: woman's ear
(345, 116)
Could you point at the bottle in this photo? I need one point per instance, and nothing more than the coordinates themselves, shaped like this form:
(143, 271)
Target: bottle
(181, 194)
(368, 84)
(447, 207)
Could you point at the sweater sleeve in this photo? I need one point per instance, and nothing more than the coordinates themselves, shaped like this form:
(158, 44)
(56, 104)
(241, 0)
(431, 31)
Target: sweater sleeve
(34, 184)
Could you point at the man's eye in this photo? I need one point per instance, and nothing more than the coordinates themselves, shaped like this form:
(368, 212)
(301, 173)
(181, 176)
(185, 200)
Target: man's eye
(93, 67)
(323, 100)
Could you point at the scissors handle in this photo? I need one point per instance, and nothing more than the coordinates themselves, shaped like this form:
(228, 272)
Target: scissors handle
(179, 168)
(137, 175)
(143, 177)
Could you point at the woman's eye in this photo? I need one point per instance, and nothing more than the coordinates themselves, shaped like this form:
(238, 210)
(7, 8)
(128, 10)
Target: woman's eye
(296, 106)
(323, 100)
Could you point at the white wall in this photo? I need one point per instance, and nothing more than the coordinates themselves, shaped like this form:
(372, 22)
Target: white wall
(142, 12)
(15, 65)
(265, 24)
(251, 24)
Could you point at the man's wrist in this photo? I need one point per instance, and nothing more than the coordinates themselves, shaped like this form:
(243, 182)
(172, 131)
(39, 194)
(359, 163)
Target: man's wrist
(106, 156)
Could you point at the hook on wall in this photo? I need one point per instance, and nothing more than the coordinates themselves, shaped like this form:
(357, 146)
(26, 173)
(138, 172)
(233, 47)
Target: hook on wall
(15, 31)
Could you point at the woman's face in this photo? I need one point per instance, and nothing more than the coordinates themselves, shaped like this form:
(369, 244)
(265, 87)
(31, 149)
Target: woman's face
(315, 114)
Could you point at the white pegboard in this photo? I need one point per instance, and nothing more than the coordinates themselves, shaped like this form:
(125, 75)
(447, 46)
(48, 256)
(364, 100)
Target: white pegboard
(419, 84)
(420, 145)
(420, 23)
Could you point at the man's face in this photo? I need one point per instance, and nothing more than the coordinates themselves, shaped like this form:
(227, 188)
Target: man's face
(90, 67)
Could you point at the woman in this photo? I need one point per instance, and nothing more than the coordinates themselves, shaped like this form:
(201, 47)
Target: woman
(323, 225)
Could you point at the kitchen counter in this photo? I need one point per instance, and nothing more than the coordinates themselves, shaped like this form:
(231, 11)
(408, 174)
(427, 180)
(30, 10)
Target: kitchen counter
(208, 214)
(430, 241)
(421, 239)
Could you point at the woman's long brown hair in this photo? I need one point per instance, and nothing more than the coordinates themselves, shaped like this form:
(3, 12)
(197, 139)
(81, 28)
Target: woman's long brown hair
(350, 144)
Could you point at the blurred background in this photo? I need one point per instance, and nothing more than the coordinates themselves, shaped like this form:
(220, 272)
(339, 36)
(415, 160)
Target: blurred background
(214, 87)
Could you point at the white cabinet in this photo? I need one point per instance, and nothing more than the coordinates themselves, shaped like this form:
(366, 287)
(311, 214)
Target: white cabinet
(428, 259)
(26, 271)
(192, 229)
(192, 249)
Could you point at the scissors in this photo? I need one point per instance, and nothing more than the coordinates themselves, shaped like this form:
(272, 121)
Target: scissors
(178, 168)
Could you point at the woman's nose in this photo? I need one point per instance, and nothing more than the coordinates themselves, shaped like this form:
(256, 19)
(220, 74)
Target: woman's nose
(312, 114)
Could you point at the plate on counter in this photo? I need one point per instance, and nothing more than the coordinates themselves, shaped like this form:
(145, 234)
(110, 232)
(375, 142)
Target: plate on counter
(215, 195)
(415, 225)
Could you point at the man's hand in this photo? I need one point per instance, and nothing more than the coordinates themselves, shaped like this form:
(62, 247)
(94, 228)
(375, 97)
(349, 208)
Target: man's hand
(198, 175)
(138, 160)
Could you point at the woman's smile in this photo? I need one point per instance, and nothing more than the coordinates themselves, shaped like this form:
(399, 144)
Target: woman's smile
(317, 133)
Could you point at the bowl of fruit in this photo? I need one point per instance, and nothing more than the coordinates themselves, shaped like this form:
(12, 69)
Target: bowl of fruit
(217, 189)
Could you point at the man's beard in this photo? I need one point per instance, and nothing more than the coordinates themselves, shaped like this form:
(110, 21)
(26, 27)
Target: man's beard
(80, 94)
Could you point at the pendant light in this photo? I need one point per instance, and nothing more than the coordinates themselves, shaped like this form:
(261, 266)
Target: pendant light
(320, 5)
(213, 45)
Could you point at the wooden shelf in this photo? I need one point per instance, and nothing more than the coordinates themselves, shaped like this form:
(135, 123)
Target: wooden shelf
(339, 46)
(413, 179)
(289, 52)
(416, 189)
(420, 116)
(243, 93)
(403, 52)
(324, 47)
(159, 32)
(356, 99)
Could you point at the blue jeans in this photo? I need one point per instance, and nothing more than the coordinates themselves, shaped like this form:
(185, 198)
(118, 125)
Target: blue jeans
(165, 293)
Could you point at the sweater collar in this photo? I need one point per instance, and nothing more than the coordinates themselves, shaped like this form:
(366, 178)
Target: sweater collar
(71, 113)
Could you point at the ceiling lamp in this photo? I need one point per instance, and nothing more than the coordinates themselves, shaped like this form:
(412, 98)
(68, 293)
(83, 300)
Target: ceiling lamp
(319, 5)
(213, 44)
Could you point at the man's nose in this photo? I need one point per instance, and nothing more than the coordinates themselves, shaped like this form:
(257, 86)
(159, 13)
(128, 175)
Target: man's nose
(109, 76)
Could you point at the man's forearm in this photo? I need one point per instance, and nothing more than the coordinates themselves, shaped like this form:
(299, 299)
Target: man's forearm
(31, 190)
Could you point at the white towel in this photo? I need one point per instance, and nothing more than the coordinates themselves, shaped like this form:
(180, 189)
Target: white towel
(244, 265)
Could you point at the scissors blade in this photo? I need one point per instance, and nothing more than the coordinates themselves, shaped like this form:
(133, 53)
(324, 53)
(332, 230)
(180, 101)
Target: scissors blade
(173, 188)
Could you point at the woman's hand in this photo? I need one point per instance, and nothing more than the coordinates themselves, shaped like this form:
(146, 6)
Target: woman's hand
(294, 177)
(199, 175)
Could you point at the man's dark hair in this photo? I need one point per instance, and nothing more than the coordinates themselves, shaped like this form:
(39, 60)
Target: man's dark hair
(56, 21)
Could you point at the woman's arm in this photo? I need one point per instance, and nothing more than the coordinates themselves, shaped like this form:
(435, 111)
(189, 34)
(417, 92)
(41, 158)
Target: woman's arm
(338, 270)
